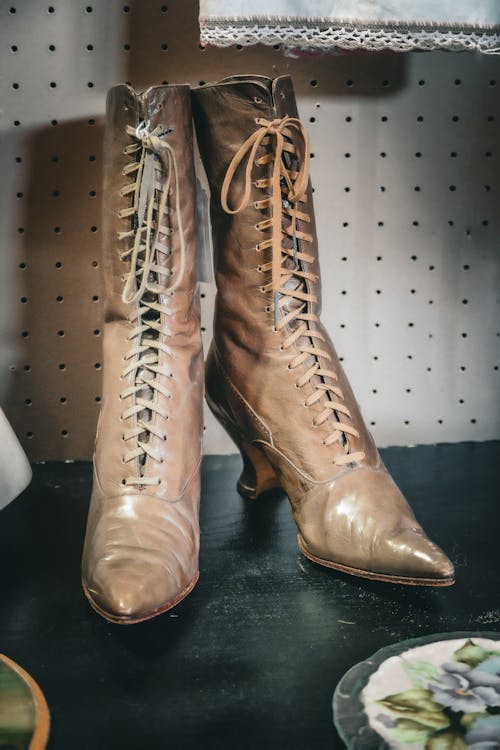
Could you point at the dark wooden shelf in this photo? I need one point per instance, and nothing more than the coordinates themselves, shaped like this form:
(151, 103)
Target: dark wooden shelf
(253, 655)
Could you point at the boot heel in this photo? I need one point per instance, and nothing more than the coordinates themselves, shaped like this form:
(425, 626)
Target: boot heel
(258, 475)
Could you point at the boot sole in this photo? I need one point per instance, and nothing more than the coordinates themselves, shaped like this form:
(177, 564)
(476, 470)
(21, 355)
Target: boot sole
(402, 580)
(124, 620)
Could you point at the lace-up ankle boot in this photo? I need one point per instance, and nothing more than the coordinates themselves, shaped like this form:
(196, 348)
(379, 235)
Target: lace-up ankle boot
(273, 378)
(141, 547)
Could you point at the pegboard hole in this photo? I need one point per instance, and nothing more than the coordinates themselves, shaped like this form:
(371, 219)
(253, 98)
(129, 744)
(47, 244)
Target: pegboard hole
(345, 224)
(59, 298)
(63, 400)
(415, 223)
(53, 85)
(95, 298)
(56, 193)
(51, 9)
(90, 84)
(58, 264)
(14, 48)
(64, 433)
(420, 118)
(15, 86)
(418, 154)
(28, 401)
(19, 195)
(23, 265)
(94, 264)
(92, 193)
(62, 365)
(98, 399)
(27, 368)
(313, 83)
(52, 47)
(383, 154)
(25, 334)
(30, 435)
(90, 47)
(60, 333)
(384, 118)
(57, 230)
(97, 332)
(164, 8)
(349, 82)
(347, 119)
(24, 300)
(93, 229)
(455, 118)
(164, 46)
(97, 365)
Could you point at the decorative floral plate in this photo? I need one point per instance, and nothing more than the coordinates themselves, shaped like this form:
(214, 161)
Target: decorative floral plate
(440, 692)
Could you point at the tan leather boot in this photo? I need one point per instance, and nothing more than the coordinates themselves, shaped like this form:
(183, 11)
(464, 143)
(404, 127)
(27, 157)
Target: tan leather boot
(273, 378)
(141, 547)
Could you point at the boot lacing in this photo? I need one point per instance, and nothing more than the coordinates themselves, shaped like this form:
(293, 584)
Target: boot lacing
(144, 282)
(288, 189)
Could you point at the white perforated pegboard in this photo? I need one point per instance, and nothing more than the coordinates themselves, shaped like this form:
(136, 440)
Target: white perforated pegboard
(405, 170)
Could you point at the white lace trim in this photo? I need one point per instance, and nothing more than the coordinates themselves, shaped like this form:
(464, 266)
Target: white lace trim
(319, 38)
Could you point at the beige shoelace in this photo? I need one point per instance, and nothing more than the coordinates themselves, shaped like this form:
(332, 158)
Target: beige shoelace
(288, 189)
(143, 286)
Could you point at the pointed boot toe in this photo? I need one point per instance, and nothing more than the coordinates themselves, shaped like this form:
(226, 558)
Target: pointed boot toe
(361, 524)
(141, 555)
(126, 591)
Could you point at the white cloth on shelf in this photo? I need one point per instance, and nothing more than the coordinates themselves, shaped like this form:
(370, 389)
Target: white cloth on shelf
(324, 25)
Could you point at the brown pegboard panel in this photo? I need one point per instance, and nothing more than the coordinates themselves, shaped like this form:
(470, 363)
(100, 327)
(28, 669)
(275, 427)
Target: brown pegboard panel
(405, 169)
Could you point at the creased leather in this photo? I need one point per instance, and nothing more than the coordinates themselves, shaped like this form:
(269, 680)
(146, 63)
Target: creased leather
(142, 542)
(351, 515)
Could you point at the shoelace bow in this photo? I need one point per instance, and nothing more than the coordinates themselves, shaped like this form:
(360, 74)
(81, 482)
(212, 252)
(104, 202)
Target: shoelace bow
(288, 189)
(143, 286)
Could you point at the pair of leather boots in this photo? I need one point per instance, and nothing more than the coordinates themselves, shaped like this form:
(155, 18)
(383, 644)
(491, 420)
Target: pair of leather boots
(273, 378)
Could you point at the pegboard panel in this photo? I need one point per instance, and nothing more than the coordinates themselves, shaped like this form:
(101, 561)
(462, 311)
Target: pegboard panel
(405, 169)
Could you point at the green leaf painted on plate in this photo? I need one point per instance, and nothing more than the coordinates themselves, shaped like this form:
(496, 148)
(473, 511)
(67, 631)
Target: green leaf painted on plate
(472, 654)
(418, 705)
(449, 740)
(420, 672)
(410, 731)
